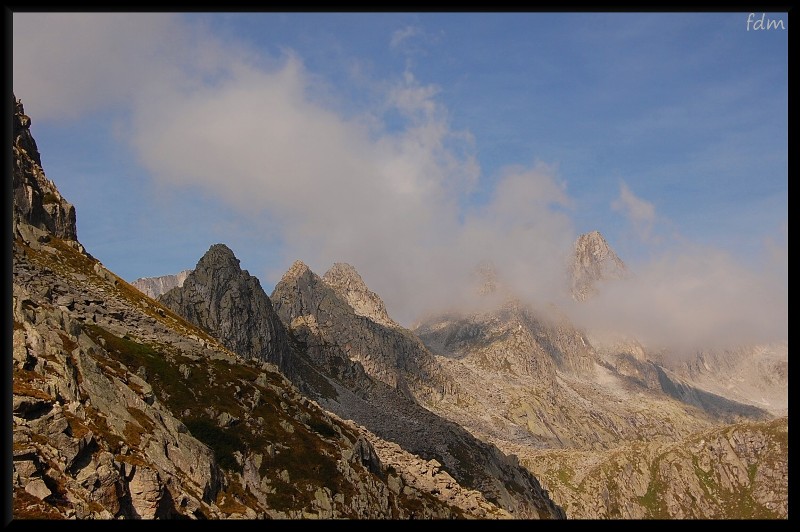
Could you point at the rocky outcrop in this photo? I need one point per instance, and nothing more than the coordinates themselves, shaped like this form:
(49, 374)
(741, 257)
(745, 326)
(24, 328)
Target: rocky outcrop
(37, 201)
(593, 262)
(389, 354)
(513, 337)
(227, 301)
(380, 376)
(548, 386)
(345, 281)
(155, 286)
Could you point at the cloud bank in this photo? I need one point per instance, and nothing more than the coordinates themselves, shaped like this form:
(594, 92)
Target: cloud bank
(640, 213)
(260, 134)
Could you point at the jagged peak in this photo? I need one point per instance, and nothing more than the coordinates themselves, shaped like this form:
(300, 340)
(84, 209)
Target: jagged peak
(298, 268)
(594, 261)
(345, 280)
(592, 240)
(344, 273)
(37, 201)
(220, 252)
(594, 247)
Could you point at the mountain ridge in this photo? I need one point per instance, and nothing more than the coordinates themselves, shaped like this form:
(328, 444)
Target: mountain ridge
(156, 286)
(220, 401)
(123, 409)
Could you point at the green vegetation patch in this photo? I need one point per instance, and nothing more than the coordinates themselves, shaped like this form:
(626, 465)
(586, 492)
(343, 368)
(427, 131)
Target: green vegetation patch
(652, 501)
(224, 442)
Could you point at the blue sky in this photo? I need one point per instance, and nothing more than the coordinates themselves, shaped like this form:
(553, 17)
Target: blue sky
(415, 145)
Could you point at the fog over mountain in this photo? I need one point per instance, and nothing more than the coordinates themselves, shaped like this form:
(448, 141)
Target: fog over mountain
(392, 186)
(393, 205)
(219, 401)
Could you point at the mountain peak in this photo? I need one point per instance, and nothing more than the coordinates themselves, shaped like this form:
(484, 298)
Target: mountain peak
(155, 286)
(229, 302)
(37, 201)
(342, 269)
(296, 270)
(219, 254)
(594, 261)
(346, 281)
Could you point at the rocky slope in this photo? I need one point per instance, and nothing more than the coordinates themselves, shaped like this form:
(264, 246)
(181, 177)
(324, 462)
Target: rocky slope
(388, 353)
(319, 362)
(548, 387)
(756, 375)
(735, 472)
(122, 409)
(155, 286)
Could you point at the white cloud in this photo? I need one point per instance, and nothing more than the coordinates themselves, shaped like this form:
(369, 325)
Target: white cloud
(402, 35)
(640, 213)
(67, 64)
(692, 298)
(257, 134)
(388, 202)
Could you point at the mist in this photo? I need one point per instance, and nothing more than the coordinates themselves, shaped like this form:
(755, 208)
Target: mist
(398, 201)
(693, 298)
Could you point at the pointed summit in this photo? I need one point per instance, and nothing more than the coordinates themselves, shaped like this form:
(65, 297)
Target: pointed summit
(345, 281)
(219, 255)
(297, 268)
(594, 262)
(229, 302)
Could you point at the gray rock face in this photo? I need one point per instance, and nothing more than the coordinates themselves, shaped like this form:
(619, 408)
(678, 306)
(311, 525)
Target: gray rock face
(229, 303)
(37, 201)
(389, 354)
(594, 262)
(155, 286)
(380, 376)
(345, 281)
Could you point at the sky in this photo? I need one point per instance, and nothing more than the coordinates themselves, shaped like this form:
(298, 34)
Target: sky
(416, 146)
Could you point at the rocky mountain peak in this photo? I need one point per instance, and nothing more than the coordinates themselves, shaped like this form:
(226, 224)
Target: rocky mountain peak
(229, 302)
(594, 261)
(345, 281)
(219, 255)
(297, 270)
(37, 201)
(155, 286)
